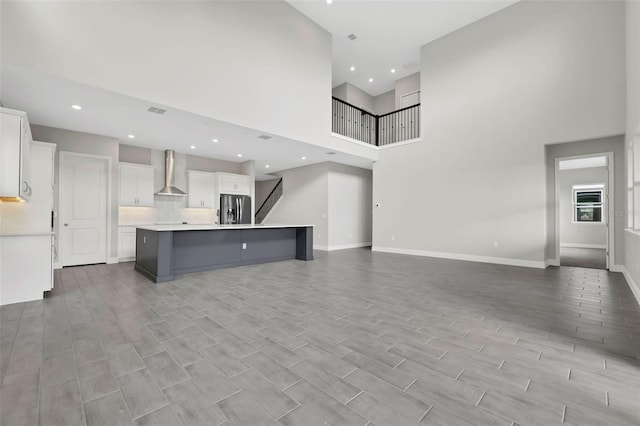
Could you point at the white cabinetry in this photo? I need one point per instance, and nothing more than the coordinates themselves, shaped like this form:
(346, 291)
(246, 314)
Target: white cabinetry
(229, 183)
(15, 142)
(126, 243)
(136, 185)
(26, 267)
(202, 189)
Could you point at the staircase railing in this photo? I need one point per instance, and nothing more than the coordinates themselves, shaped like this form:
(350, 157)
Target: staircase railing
(353, 122)
(269, 202)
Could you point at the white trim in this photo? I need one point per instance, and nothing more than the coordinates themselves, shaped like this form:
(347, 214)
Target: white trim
(466, 257)
(551, 262)
(345, 138)
(578, 245)
(341, 246)
(111, 260)
(109, 184)
(390, 145)
(395, 144)
(609, 202)
(635, 288)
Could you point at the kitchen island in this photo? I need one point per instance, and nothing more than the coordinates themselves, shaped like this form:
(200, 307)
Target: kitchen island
(165, 251)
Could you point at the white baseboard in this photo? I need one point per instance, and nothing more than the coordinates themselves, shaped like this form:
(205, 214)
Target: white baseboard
(341, 246)
(551, 262)
(635, 288)
(578, 245)
(467, 257)
(111, 260)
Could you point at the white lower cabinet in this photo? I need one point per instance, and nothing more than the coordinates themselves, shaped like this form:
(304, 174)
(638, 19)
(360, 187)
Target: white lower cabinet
(25, 267)
(126, 243)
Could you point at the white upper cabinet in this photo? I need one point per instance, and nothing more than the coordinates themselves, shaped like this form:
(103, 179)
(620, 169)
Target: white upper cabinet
(202, 189)
(136, 185)
(15, 143)
(229, 183)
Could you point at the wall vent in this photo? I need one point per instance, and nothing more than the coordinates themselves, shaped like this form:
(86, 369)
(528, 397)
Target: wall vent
(352, 36)
(157, 110)
(264, 137)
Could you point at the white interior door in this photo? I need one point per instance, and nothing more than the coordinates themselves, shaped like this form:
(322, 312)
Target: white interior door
(83, 209)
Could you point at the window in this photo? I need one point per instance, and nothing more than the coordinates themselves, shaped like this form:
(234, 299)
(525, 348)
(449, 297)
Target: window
(587, 203)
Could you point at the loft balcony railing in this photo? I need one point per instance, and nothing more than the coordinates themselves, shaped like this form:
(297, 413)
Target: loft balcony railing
(378, 130)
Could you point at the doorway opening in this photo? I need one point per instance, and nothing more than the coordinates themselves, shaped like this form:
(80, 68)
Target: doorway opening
(584, 236)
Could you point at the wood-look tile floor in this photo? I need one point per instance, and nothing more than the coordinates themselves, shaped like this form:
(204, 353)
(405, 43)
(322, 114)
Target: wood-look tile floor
(352, 338)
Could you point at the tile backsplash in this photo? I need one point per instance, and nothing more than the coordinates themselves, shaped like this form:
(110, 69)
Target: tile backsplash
(166, 209)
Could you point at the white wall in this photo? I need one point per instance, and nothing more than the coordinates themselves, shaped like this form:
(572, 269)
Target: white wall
(67, 140)
(333, 197)
(349, 206)
(340, 92)
(230, 60)
(304, 200)
(574, 234)
(404, 86)
(385, 102)
(632, 239)
(494, 93)
(263, 189)
(355, 96)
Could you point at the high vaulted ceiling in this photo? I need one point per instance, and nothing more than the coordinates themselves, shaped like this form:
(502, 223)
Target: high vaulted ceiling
(389, 34)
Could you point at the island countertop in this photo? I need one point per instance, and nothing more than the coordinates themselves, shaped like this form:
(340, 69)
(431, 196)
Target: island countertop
(165, 251)
(211, 227)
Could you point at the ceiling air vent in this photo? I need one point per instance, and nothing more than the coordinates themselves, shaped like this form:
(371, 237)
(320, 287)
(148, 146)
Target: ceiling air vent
(352, 36)
(157, 110)
(264, 137)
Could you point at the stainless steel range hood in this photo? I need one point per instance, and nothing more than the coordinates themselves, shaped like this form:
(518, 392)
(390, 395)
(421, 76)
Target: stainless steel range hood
(169, 164)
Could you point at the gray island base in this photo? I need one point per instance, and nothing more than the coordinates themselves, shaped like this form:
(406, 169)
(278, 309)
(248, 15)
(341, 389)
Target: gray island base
(164, 252)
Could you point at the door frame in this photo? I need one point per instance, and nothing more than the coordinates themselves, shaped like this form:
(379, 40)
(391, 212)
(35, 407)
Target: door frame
(64, 155)
(610, 204)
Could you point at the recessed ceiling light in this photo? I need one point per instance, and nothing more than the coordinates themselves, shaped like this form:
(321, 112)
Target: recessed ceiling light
(239, 155)
(215, 140)
(76, 107)
(370, 80)
(192, 147)
(393, 70)
(304, 158)
(131, 136)
(329, 1)
(352, 69)
(267, 166)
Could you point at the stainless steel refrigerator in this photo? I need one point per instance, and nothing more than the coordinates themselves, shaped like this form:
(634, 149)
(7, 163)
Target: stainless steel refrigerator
(235, 209)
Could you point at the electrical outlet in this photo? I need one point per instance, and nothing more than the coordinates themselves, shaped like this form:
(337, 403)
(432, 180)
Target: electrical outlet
(495, 244)
(244, 246)
(393, 238)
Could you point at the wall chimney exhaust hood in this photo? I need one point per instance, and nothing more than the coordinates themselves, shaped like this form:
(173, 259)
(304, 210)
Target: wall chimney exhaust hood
(169, 164)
